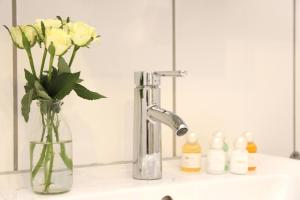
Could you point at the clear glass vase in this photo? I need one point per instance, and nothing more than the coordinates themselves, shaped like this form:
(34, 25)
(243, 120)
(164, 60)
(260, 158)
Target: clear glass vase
(51, 163)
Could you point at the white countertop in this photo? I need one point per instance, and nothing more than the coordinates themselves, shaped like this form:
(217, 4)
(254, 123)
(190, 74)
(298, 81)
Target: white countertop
(113, 178)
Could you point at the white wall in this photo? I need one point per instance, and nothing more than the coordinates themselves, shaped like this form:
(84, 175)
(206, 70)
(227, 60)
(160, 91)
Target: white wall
(239, 57)
(238, 54)
(6, 88)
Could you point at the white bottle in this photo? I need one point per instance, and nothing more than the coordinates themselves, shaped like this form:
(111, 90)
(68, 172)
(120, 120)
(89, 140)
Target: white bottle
(221, 135)
(216, 158)
(239, 157)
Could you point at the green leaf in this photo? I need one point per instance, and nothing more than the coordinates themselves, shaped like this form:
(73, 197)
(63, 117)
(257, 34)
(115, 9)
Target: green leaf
(79, 80)
(54, 72)
(62, 85)
(83, 92)
(59, 18)
(44, 107)
(7, 29)
(51, 49)
(27, 88)
(25, 41)
(30, 78)
(43, 29)
(30, 83)
(26, 103)
(12, 37)
(88, 42)
(63, 66)
(68, 19)
(40, 91)
(44, 82)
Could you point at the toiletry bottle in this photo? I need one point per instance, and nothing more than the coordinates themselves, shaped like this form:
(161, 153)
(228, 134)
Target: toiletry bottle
(216, 158)
(239, 157)
(191, 154)
(221, 135)
(252, 149)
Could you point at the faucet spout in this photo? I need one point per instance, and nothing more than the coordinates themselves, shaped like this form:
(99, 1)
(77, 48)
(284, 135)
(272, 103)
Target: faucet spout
(170, 119)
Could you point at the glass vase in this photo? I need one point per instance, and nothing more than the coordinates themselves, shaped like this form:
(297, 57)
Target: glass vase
(51, 163)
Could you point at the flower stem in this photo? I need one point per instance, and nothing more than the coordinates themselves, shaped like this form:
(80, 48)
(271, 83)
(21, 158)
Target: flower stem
(38, 165)
(46, 161)
(73, 55)
(29, 54)
(45, 151)
(50, 169)
(42, 158)
(49, 157)
(50, 66)
(68, 161)
(43, 62)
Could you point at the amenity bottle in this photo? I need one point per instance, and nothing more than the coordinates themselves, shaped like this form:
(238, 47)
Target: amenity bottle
(216, 158)
(221, 135)
(252, 149)
(239, 157)
(191, 154)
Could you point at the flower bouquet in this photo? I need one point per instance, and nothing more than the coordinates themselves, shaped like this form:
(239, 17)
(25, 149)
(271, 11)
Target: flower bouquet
(48, 82)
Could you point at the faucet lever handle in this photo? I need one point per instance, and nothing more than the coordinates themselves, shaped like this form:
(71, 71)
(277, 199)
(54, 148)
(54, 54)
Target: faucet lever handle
(178, 73)
(143, 78)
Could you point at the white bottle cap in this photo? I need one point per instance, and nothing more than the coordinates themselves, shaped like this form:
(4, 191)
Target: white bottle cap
(241, 143)
(217, 143)
(249, 136)
(192, 138)
(219, 134)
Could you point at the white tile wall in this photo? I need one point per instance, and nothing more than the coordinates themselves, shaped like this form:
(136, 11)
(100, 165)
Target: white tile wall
(6, 86)
(238, 54)
(135, 35)
(239, 57)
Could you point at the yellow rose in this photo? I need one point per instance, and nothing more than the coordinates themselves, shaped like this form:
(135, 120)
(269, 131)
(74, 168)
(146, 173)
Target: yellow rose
(81, 33)
(16, 35)
(60, 39)
(49, 23)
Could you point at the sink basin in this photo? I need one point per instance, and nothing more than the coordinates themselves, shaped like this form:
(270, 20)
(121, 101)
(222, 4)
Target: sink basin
(276, 179)
(258, 188)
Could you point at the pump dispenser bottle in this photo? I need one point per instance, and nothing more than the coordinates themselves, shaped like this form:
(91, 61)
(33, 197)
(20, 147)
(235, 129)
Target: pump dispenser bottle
(252, 149)
(239, 157)
(225, 147)
(216, 158)
(222, 136)
(191, 154)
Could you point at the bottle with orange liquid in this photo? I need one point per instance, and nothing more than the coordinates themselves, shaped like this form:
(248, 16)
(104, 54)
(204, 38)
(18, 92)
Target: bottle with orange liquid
(191, 154)
(252, 149)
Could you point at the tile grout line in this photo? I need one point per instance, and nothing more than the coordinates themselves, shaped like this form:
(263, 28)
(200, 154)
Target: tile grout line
(174, 68)
(294, 76)
(15, 92)
(87, 165)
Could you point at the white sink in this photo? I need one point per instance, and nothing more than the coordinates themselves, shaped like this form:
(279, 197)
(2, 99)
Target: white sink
(254, 188)
(276, 179)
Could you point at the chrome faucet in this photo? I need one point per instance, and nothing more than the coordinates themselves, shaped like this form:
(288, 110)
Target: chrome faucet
(148, 116)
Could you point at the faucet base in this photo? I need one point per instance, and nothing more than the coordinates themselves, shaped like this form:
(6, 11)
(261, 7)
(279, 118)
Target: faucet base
(150, 168)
